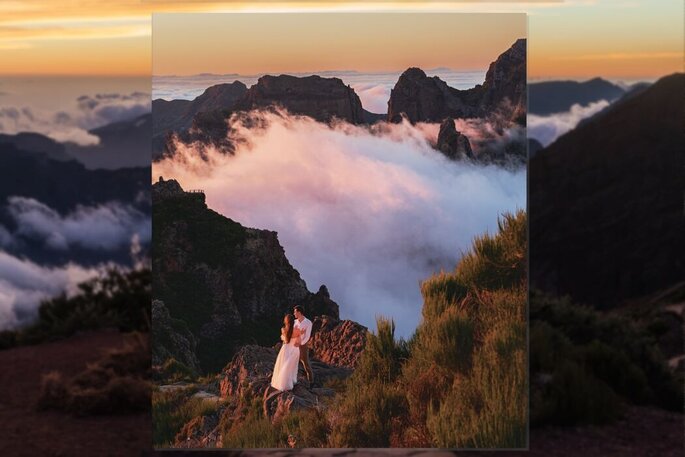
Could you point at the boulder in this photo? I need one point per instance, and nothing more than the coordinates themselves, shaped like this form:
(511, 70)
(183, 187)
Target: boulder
(337, 343)
(279, 404)
(249, 372)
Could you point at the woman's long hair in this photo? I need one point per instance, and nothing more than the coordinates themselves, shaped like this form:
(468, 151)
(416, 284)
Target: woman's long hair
(288, 320)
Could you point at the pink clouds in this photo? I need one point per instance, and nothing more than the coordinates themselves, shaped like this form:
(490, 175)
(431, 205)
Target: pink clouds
(370, 212)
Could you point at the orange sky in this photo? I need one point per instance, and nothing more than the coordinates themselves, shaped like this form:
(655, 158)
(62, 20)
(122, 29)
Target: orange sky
(186, 44)
(570, 38)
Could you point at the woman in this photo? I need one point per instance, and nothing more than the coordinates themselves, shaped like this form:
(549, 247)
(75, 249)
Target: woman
(287, 362)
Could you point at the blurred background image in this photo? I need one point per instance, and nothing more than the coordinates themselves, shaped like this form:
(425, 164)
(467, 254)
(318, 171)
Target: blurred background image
(605, 213)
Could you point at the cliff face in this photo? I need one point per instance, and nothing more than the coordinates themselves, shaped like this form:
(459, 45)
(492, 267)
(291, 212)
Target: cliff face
(230, 284)
(607, 198)
(322, 99)
(319, 98)
(505, 83)
(429, 99)
(178, 115)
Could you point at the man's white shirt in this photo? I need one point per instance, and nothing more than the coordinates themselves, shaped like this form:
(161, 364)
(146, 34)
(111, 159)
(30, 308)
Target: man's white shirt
(305, 328)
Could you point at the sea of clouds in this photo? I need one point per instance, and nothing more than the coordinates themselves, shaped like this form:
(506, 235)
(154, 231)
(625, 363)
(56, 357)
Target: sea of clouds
(370, 212)
(104, 227)
(71, 123)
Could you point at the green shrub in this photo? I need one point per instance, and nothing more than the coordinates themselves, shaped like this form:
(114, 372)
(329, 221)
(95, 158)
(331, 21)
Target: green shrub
(173, 409)
(573, 396)
(608, 347)
(116, 383)
(382, 355)
(116, 299)
(174, 371)
(368, 415)
(499, 261)
(251, 430)
(310, 429)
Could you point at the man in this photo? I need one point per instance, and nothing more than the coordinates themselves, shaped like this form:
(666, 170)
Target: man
(305, 326)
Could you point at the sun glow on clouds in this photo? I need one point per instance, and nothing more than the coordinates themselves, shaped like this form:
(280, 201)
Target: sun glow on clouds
(368, 213)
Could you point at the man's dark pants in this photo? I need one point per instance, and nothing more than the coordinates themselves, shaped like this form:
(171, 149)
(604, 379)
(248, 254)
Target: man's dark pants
(304, 360)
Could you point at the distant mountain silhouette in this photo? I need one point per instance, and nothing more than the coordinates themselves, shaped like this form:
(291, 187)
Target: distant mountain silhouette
(36, 143)
(63, 186)
(551, 97)
(177, 115)
(122, 144)
(606, 201)
(631, 92)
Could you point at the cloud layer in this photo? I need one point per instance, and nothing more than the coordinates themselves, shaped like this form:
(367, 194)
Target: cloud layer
(106, 227)
(24, 285)
(369, 213)
(546, 129)
(72, 125)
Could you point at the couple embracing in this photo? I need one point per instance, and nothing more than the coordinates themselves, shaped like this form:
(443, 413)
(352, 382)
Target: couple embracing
(295, 334)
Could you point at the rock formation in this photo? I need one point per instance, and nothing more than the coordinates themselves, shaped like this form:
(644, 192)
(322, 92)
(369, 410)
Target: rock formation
(172, 339)
(452, 143)
(505, 83)
(170, 116)
(248, 375)
(319, 98)
(429, 99)
(230, 284)
(337, 343)
(323, 99)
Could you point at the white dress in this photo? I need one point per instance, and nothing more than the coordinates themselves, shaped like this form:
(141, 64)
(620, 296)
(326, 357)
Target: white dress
(285, 369)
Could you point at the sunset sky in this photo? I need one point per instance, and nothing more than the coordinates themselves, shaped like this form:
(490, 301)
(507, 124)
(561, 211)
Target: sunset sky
(573, 38)
(187, 44)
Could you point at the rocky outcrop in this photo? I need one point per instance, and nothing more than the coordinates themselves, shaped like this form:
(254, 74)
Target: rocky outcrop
(248, 375)
(505, 84)
(170, 116)
(337, 343)
(230, 284)
(322, 99)
(420, 98)
(320, 304)
(172, 339)
(452, 143)
(166, 189)
(607, 198)
(277, 404)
